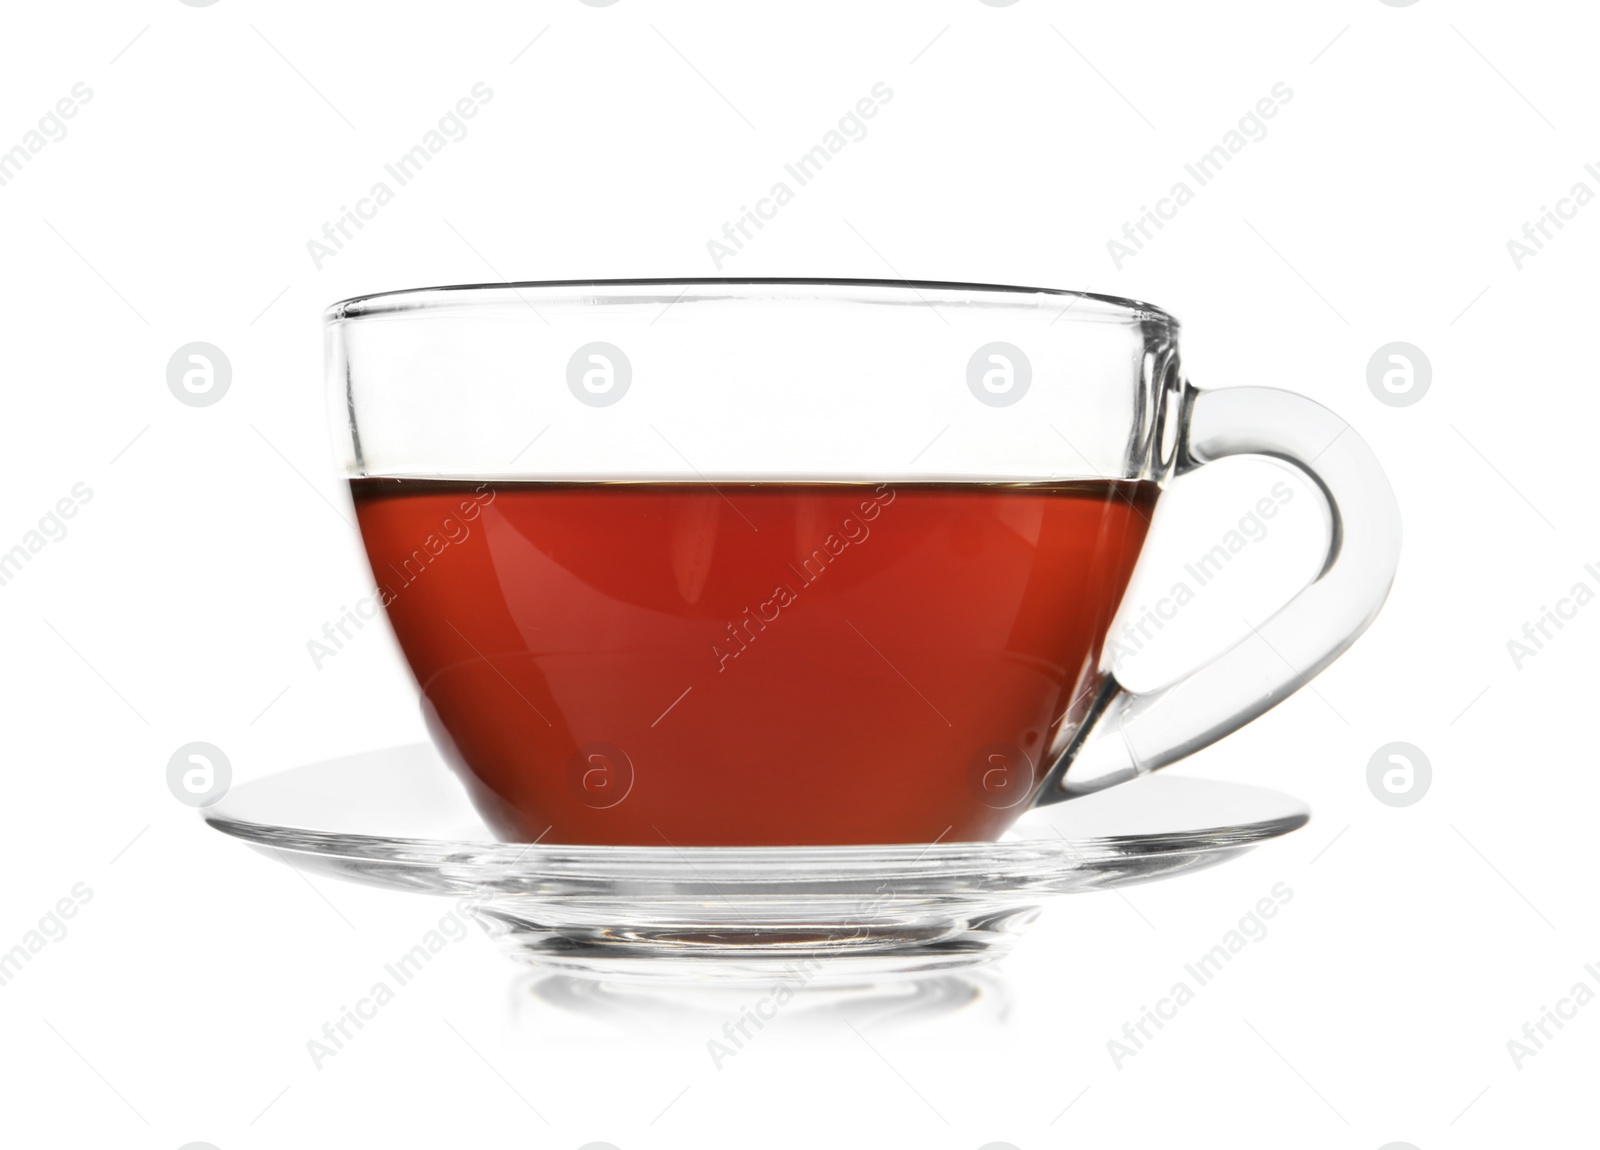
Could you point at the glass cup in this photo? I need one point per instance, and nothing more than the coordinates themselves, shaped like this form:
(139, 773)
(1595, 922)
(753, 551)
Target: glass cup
(804, 562)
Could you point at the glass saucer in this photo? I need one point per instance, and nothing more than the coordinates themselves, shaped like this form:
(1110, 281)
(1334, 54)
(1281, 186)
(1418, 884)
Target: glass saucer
(399, 818)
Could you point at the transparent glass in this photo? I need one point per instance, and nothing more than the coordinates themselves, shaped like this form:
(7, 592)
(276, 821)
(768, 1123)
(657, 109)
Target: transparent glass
(599, 444)
(394, 818)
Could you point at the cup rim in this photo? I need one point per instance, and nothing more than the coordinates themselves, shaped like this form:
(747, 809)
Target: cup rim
(407, 300)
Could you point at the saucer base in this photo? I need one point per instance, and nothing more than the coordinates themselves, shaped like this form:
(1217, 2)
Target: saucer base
(804, 946)
(832, 915)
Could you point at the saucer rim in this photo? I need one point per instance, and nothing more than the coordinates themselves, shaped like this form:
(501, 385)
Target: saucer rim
(432, 852)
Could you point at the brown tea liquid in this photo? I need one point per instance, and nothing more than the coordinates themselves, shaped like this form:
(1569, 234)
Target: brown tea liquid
(749, 664)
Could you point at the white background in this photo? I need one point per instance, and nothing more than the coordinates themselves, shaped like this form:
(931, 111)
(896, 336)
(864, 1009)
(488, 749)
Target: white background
(1019, 140)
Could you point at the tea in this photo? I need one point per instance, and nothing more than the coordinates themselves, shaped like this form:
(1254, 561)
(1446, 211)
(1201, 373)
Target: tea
(751, 663)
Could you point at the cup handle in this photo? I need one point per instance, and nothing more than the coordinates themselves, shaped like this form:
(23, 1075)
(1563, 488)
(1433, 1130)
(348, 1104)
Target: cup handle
(1125, 733)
